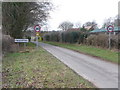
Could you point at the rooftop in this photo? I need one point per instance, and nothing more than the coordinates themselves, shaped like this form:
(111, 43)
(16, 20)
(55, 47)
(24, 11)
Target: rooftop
(116, 29)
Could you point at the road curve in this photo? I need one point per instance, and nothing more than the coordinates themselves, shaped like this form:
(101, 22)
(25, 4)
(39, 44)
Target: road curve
(101, 73)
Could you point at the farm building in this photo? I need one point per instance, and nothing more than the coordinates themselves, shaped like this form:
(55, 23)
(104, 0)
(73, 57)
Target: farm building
(104, 30)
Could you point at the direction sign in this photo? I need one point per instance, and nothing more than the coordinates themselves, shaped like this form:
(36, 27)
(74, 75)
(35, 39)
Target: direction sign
(21, 40)
(110, 28)
(37, 28)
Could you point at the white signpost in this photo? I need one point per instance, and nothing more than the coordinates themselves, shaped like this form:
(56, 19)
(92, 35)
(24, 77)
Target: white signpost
(21, 40)
(37, 30)
(110, 29)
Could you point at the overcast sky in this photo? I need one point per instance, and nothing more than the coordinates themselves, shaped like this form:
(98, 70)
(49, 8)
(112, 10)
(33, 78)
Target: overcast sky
(82, 11)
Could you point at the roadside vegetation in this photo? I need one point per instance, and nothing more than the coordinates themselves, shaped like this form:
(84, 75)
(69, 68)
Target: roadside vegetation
(82, 36)
(104, 54)
(38, 69)
(83, 41)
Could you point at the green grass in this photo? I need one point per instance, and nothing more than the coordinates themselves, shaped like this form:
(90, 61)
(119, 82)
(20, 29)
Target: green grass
(39, 69)
(105, 54)
(30, 44)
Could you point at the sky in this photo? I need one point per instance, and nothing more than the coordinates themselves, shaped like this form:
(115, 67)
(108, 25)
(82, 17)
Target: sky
(81, 11)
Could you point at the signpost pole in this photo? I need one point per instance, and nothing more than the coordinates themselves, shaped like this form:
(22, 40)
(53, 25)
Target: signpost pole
(37, 30)
(37, 42)
(109, 40)
(18, 46)
(110, 29)
(24, 45)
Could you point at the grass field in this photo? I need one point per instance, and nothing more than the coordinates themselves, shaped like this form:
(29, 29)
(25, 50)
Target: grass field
(105, 54)
(38, 69)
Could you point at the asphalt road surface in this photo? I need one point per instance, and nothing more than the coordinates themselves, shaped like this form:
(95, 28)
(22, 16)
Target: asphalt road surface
(101, 73)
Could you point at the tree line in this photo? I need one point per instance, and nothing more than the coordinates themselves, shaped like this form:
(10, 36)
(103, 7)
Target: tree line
(67, 25)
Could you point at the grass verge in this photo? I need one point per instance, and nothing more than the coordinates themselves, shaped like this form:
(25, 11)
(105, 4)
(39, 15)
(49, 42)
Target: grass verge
(38, 69)
(108, 55)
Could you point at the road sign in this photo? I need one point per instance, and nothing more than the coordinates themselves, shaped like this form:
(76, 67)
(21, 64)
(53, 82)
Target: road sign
(37, 34)
(21, 40)
(110, 28)
(37, 28)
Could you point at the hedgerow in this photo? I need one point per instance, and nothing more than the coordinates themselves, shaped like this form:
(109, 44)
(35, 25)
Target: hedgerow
(76, 36)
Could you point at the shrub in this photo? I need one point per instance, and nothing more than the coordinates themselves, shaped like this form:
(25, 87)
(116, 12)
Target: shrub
(82, 38)
(102, 40)
(74, 36)
(115, 42)
(54, 36)
(8, 44)
(70, 36)
(46, 37)
(28, 37)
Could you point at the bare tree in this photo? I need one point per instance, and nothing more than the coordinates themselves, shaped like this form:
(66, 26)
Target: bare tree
(91, 25)
(117, 20)
(78, 25)
(88, 24)
(65, 25)
(18, 16)
(109, 21)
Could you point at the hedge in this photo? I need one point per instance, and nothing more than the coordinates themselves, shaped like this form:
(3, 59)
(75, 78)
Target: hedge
(71, 36)
(99, 40)
(102, 40)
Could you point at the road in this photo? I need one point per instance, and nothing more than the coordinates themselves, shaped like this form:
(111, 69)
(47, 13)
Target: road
(101, 73)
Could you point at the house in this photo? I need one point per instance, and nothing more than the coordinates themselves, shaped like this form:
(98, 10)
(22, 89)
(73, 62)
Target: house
(75, 29)
(88, 27)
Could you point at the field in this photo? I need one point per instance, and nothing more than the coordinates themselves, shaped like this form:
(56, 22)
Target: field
(36, 68)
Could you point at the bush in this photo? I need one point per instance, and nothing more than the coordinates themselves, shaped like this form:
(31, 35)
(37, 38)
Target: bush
(74, 36)
(82, 38)
(46, 37)
(115, 42)
(71, 36)
(54, 36)
(102, 40)
(8, 44)
(29, 38)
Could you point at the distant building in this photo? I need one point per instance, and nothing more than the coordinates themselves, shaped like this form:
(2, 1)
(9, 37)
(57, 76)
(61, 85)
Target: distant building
(76, 29)
(104, 30)
(88, 27)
